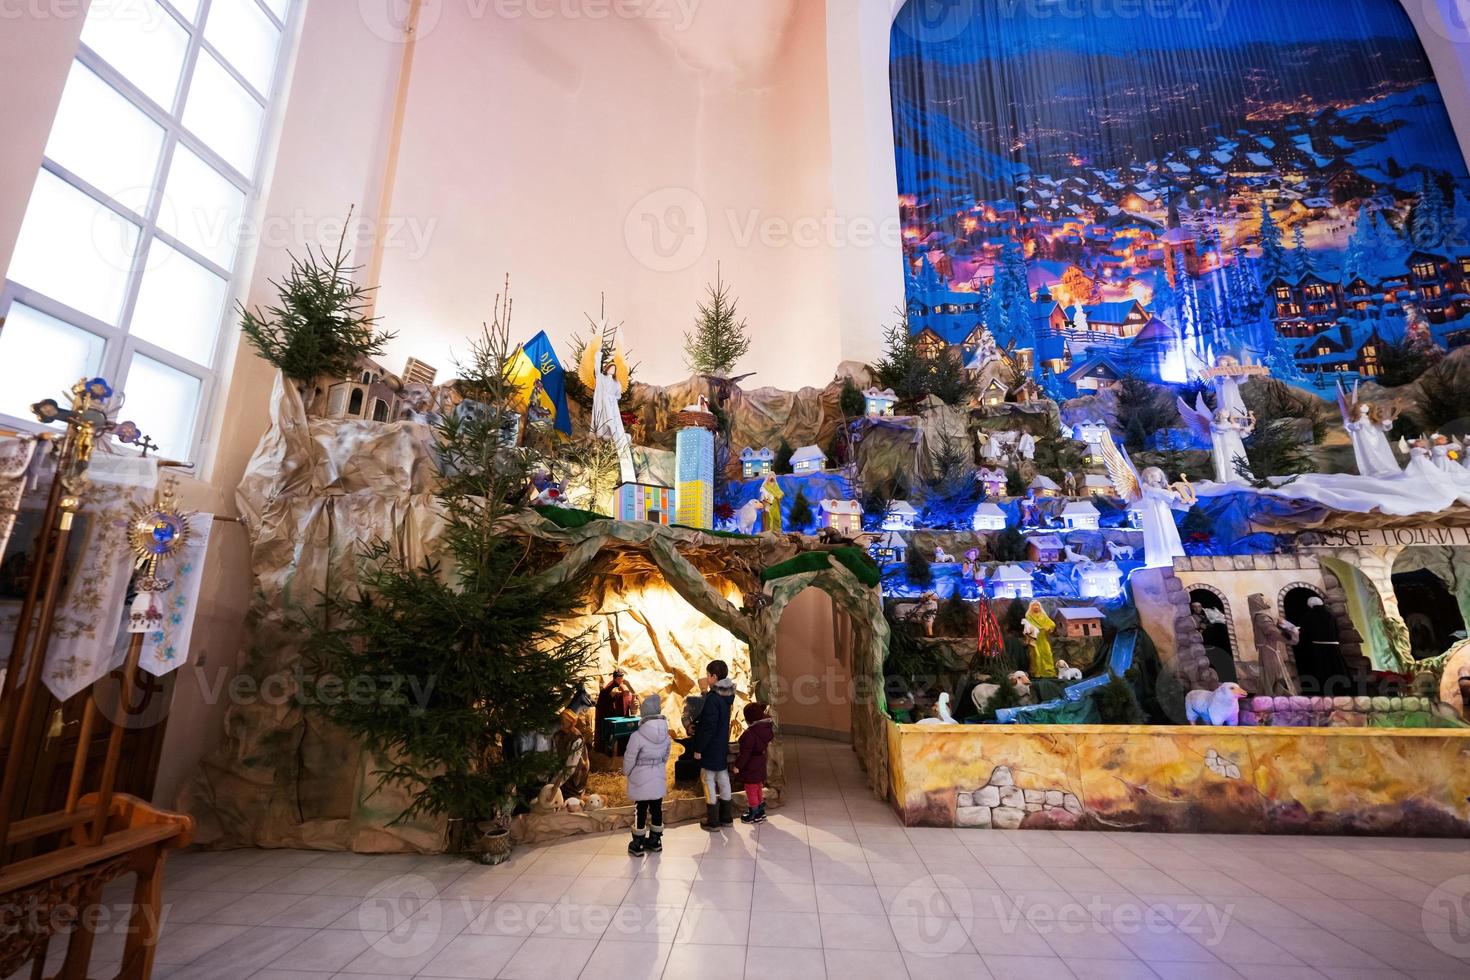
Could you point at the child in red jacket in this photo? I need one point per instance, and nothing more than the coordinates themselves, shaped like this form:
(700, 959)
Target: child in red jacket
(750, 763)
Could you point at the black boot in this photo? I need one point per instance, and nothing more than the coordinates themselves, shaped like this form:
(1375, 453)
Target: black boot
(655, 839)
(749, 815)
(711, 818)
(638, 844)
(760, 814)
(727, 814)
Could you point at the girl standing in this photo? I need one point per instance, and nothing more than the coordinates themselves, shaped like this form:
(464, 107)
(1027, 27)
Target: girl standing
(645, 764)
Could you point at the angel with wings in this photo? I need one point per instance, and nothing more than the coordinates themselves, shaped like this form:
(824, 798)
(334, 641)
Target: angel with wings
(1156, 499)
(1225, 429)
(1368, 429)
(604, 369)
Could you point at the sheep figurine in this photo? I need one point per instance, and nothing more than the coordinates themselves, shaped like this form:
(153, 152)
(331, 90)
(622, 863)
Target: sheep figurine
(1218, 707)
(1066, 672)
(593, 802)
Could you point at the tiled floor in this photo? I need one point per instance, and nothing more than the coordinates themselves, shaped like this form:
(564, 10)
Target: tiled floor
(832, 886)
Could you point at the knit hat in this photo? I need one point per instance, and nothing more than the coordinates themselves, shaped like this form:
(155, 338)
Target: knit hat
(651, 707)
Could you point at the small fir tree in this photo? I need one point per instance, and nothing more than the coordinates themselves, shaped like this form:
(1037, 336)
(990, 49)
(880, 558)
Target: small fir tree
(1273, 254)
(917, 569)
(784, 452)
(1442, 398)
(1275, 449)
(1006, 696)
(799, 516)
(320, 326)
(1300, 261)
(474, 638)
(719, 339)
(1429, 219)
(851, 402)
(1117, 704)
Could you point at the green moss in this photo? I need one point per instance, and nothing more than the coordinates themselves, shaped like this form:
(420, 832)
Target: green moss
(570, 517)
(855, 560)
(717, 534)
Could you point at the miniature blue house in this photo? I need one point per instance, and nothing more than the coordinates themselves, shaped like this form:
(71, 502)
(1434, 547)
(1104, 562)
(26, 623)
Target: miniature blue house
(879, 403)
(1012, 582)
(900, 516)
(1081, 515)
(808, 459)
(756, 463)
(890, 548)
(1100, 581)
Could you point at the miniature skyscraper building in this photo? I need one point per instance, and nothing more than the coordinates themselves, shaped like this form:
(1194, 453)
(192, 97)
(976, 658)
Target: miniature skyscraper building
(694, 485)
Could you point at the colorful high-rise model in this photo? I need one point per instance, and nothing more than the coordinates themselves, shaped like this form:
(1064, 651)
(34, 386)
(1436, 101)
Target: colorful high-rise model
(694, 485)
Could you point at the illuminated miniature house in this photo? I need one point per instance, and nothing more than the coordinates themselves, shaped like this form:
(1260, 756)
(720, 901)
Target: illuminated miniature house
(1081, 515)
(643, 502)
(1100, 581)
(843, 516)
(1135, 515)
(1097, 485)
(890, 548)
(756, 463)
(1012, 582)
(1079, 623)
(900, 516)
(1044, 486)
(992, 480)
(879, 403)
(994, 394)
(694, 464)
(1046, 549)
(808, 459)
(989, 516)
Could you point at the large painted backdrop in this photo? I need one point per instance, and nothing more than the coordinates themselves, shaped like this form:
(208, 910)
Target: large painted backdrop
(1111, 194)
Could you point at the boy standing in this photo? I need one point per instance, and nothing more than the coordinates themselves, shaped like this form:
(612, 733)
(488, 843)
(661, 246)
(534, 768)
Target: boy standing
(711, 744)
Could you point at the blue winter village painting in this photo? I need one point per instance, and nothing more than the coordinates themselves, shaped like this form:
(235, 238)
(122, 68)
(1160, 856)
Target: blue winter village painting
(1106, 195)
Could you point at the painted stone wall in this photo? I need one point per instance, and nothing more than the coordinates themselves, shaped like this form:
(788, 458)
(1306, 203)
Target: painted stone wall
(1183, 780)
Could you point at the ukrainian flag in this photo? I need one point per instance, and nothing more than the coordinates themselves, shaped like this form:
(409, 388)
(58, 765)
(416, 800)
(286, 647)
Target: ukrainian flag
(536, 361)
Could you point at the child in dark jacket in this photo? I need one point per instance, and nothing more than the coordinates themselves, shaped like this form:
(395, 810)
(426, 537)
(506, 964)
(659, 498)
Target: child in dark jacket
(711, 745)
(750, 762)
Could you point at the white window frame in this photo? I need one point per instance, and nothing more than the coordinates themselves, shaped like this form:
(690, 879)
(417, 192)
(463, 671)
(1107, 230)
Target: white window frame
(119, 343)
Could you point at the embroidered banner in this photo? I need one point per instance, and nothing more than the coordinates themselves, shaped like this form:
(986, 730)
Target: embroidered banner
(167, 648)
(15, 461)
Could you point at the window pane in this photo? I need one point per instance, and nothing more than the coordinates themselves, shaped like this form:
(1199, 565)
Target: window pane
(189, 8)
(201, 208)
(42, 357)
(278, 7)
(180, 305)
(223, 115)
(104, 139)
(242, 32)
(142, 42)
(74, 250)
(164, 403)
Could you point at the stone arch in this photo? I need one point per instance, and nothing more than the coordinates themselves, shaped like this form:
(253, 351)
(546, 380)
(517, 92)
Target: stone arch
(1225, 671)
(1281, 596)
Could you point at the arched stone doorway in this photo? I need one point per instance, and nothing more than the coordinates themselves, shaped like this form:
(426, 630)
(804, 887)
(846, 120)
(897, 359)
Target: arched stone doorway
(1429, 610)
(1212, 616)
(813, 685)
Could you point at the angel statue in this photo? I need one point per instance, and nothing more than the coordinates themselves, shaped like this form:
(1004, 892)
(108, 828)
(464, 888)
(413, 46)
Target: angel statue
(1156, 500)
(1225, 430)
(604, 369)
(1369, 431)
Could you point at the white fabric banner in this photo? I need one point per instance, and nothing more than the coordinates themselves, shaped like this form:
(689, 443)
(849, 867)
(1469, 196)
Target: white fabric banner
(83, 638)
(15, 460)
(167, 648)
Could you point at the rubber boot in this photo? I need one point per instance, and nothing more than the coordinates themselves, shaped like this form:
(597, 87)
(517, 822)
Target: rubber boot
(655, 839)
(727, 814)
(638, 844)
(711, 820)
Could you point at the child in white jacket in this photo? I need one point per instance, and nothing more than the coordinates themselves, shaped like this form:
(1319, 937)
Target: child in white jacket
(645, 764)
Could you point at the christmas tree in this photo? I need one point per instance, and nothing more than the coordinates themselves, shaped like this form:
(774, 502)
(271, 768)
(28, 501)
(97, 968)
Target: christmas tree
(718, 341)
(1360, 250)
(474, 640)
(1300, 259)
(1429, 219)
(1273, 255)
(799, 517)
(917, 568)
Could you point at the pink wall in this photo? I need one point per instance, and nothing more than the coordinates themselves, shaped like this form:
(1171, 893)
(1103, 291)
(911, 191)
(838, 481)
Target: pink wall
(559, 151)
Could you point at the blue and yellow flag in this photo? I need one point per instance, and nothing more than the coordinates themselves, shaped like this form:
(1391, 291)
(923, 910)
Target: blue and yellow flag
(536, 361)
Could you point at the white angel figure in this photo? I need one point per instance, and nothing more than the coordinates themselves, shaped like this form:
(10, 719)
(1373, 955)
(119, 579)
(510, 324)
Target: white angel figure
(1157, 500)
(1369, 432)
(607, 376)
(1225, 430)
(1445, 453)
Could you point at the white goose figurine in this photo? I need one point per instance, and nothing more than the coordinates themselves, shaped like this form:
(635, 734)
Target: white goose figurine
(945, 718)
